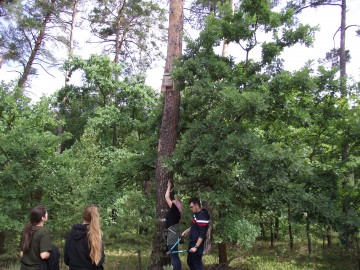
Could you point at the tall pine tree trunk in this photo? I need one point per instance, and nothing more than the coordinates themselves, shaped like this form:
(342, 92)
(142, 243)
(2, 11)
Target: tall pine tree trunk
(59, 129)
(71, 37)
(342, 48)
(34, 52)
(119, 40)
(168, 130)
(345, 144)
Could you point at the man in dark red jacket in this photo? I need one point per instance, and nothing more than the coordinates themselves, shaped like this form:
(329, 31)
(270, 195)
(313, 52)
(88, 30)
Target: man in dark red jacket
(197, 234)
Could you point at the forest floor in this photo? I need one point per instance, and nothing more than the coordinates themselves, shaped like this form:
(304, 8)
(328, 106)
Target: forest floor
(280, 257)
(260, 257)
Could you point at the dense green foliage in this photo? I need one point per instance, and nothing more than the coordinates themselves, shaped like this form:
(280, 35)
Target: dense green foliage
(273, 154)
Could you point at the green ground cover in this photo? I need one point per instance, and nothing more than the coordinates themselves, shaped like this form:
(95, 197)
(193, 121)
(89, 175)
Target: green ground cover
(261, 256)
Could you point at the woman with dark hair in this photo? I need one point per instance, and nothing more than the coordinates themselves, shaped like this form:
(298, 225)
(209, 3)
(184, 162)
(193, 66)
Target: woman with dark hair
(35, 240)
(172, 219)
(84, 247)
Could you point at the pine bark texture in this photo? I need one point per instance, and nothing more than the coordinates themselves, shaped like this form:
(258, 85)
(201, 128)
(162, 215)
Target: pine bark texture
(168, 130)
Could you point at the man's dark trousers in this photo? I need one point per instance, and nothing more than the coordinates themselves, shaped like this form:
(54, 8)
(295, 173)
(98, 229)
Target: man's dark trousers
(194, 260)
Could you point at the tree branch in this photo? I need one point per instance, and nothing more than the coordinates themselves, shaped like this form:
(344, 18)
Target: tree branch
(314, 5)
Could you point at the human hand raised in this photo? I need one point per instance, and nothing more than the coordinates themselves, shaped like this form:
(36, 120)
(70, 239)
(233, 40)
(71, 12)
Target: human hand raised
(169, 184)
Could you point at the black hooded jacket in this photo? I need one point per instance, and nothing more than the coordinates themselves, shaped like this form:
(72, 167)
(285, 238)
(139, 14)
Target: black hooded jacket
(76, 253)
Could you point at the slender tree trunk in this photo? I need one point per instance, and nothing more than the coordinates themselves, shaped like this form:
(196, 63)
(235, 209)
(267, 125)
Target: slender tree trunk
(2, 242)
(67, 71)
(262, 226)
(168, 130)
(115, 134)
(357, 251)
(328, 236)
(34, 52)
(345, 145)
(222, 253)
(118, 48)
(308, 236)
(276, 231)
(71, 36)
(139, 260)
(291, 237)
(118, 39)
(342, 48)
(207, 247)
(271, 233)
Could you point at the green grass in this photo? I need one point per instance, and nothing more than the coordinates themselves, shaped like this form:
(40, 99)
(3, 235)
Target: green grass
(261, 256)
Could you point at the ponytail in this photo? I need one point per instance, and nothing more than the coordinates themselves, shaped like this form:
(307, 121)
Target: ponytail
(94, 234)
(35, 217)
(28, 231)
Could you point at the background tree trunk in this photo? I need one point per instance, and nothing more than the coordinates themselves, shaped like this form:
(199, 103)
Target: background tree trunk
(343, 89)
(357, 251)
(67, 70)
(168, 130)
(222, 253)
(207, 248)
(308, 236)
(342, 47)
(71, 37)
(262, 226)
(276, 229)
(271, 233)
(2, 242)
(291, 237)
(328, 236)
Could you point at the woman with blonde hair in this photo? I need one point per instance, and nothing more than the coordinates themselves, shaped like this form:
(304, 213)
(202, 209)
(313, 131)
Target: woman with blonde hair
(84, 247)
(35, 240)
